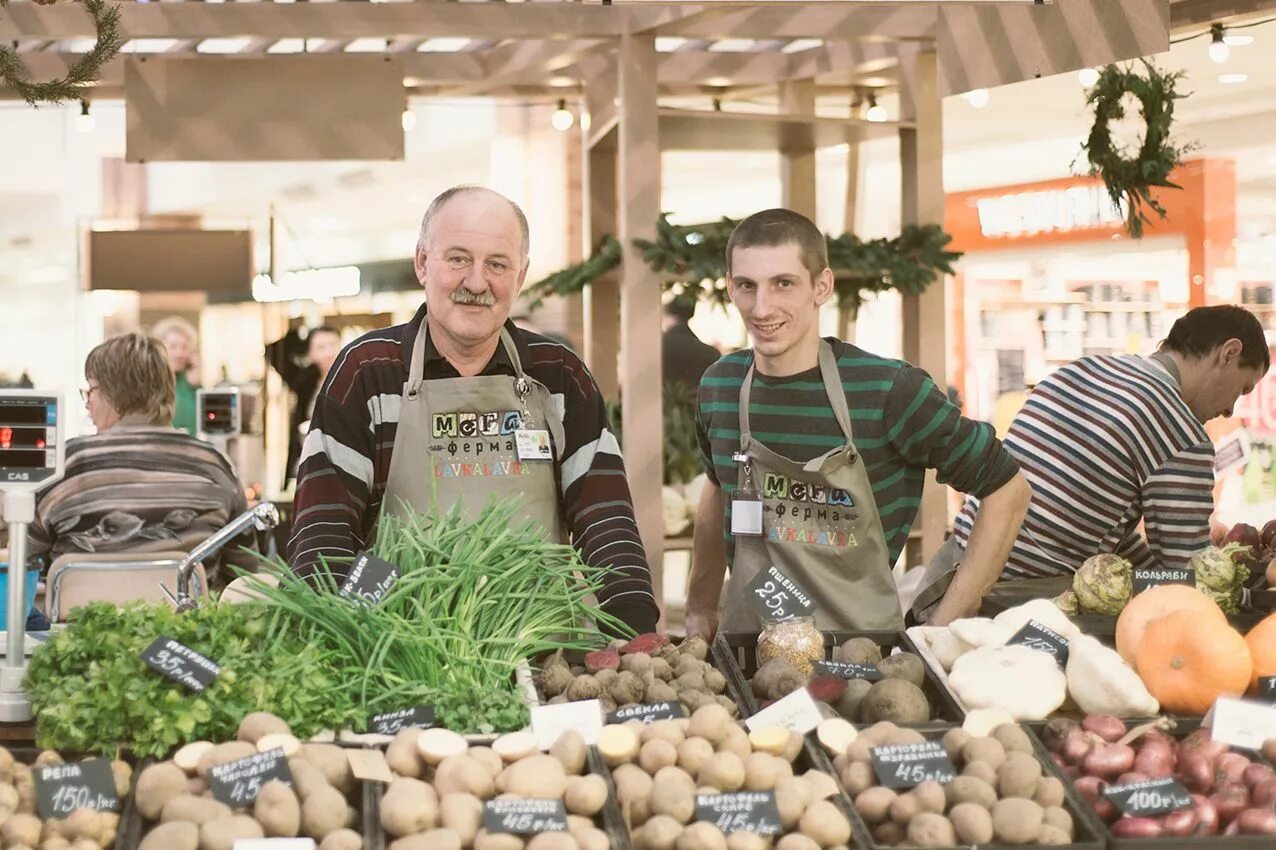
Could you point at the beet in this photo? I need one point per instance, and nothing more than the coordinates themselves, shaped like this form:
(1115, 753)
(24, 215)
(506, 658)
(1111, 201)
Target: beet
(603, 659)
(826, 688)
(649, 643)
(1246, 535)
(1268, 536)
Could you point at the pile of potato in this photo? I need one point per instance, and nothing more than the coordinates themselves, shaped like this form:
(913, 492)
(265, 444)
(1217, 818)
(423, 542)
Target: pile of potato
(1000, 794)
(648, 669)
(659, 768)
(174, 799)
(897, 697)
(436, 799)
(21, 828)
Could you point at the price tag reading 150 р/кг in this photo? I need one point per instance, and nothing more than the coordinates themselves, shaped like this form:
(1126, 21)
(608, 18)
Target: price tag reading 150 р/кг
(1043, 639)
(1148, 798)
(237, 783)
(62, 788)
(370, 579)
(745, 811)
(775, 596)
(525, 817)
(907, 765)
(180, 663)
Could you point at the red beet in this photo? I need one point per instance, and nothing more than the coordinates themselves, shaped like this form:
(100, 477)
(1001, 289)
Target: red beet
(1268, 536)
(603, 659)
(1246, 535)
(648, 643)
(826, 688)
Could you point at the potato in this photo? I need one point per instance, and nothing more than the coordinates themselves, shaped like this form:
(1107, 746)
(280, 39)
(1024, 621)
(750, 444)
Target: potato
(857, 777)
(402, 754)
(874, 804)
(156, 785)
(822, 785)
(701, 836)
(537, 776)
(258, 724)
(794, 749)
(224, 754)
(792, 796)
(553, 841)
(196, 810)
(1013, 739)
(672, 799)
(585, 795)
(570, 750)
(657, 753)
(710, 722)
(279, 741)
(277, 810)
(888, 833)
(660, 832)
(618, 744)
(221, 834)
(461, 813)
(48, 757)
(1018, 776)
(988, 750)
(736, 741)
(773, 740)
(930, 830)
(905, 807)
(342, 839)
(796, 841)
(981, 770)
(122, 773)
(1016, 821)
(408, 806)
(861, 750)
(747, 841)
(1052, 837)
(592, 839)
(325, 811)
(825, 824)
(761, 771)
(835, 735)
(663, 730)
(463, 775)
(306, 778)
(178, 835)
(433, 839)
(437, 743)
(972, 823)
(497, 841)
(332, 762)
(724, 771)
(693, 753)
(487, 757)
(1050, 792)
(632, 783)
(970, 789)
(83, 823)
(954, 741)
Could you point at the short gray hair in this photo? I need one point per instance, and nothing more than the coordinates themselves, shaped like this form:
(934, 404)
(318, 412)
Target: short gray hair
(438, 203)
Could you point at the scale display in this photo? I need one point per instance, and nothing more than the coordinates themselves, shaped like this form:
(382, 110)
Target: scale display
(29, 438)
(218, 412)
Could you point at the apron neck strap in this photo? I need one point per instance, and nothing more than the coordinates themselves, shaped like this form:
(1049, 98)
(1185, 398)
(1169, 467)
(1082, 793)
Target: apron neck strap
(832, 388)
(416, 370)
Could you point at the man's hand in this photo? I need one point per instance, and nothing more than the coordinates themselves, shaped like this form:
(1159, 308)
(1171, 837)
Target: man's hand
(702, 626)
(708, 565)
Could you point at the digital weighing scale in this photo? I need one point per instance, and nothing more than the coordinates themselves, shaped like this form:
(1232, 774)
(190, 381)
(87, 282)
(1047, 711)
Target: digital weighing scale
(32, 456)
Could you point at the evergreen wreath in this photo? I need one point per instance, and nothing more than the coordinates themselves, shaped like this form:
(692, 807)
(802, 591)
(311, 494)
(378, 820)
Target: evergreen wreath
(1130, 180)
(14, 74)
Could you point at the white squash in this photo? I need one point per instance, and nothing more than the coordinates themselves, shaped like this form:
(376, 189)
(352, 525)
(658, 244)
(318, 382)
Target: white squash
(1044, 611)
(981, 721)
(947, 647)
(1024, 682)
(979, 632)
(1100, 682)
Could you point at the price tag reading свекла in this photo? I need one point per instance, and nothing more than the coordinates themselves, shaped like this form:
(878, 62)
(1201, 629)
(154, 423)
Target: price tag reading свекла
(180, 663)
(1043, 639)
(775, 596)
(62, 788)
(648, 712)
(907, 765)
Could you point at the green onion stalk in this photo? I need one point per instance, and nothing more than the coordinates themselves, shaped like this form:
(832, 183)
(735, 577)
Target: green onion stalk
(475, 598)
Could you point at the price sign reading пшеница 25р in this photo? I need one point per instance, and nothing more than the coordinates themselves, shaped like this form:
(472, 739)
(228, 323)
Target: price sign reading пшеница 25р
(775, 596)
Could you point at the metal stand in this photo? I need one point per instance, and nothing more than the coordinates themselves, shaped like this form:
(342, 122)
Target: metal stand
(15, 706)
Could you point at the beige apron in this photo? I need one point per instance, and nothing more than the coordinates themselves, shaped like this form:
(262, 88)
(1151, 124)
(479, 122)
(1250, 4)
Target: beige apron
(820, 527)
(455, 443)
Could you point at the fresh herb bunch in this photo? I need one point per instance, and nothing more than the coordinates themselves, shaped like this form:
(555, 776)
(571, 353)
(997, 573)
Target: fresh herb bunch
(474, 599)
(92, 692)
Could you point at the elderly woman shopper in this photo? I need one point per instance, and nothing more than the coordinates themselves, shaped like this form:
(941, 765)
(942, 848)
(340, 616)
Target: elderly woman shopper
(138, 484)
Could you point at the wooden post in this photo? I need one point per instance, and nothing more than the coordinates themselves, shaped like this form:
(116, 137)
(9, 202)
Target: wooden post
(602, 297)
(577, 250)
(797, 161)
(640, 319)
(850, 216)
(922, 202)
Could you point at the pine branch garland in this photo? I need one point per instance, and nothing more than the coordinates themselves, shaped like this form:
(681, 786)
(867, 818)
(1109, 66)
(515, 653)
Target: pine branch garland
(87, 70)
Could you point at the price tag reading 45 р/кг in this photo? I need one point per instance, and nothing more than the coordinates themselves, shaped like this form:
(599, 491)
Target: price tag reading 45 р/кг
(62, 788)
(237, 783)
(525, 817)
(745, 811)
(370, 579)
(1043, 639)
(775, 596)
(907, 765)
(180, 663)
(1148, 798)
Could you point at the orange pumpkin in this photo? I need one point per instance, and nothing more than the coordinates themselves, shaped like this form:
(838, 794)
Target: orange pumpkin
(1262, 649)
(1188, 659)
(1152, 604)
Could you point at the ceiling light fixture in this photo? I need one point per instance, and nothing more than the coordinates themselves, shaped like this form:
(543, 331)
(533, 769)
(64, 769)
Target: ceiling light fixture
(876, 112)
(1232, 79)
(1088, 77)
(562, 119)
(408, 119)
(84, 121)
(1237, 40)
(978, 98)
(1219, 51)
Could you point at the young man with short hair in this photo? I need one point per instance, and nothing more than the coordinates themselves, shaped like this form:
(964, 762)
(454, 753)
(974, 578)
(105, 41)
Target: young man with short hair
(817, 450)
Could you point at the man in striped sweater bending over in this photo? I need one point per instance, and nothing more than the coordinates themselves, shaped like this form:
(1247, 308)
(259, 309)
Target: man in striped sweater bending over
(459, 406)
(1107, 442)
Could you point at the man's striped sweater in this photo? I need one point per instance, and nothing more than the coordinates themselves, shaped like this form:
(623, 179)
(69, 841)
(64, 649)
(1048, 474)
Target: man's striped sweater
(1107, 442)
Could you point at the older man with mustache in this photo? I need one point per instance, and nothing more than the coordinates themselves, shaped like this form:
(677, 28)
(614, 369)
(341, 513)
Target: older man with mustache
(458, 406)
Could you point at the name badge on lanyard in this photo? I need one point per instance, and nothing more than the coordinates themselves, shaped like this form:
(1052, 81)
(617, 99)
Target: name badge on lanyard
(746, 507)
(533, 443)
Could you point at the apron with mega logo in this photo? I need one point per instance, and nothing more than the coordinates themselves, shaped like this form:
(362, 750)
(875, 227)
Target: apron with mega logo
(458, 443)
(819, 526)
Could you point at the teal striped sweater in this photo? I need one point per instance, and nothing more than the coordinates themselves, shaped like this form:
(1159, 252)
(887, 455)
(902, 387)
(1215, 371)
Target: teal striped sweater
(902, 425)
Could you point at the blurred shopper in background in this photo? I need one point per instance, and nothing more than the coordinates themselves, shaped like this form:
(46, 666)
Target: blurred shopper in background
(303, 361)
(683, 357)
(180, 341)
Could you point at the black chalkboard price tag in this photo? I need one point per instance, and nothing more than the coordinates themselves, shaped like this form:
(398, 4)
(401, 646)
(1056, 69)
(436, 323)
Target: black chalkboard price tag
(775, 596)
(180, 663)
(1147, 577)
(1152, 797)
(1043, 639)
(1267, 689)
(370, 579)
(237, 783)
(648, 712)
(62, 788)
(394, 722)
(525, 817)
(907, 765)
(848, 670)
(744, 811)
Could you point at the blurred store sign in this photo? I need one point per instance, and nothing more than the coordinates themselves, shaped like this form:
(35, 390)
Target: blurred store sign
(208, 261)
(1029, 213)
(308, 284)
